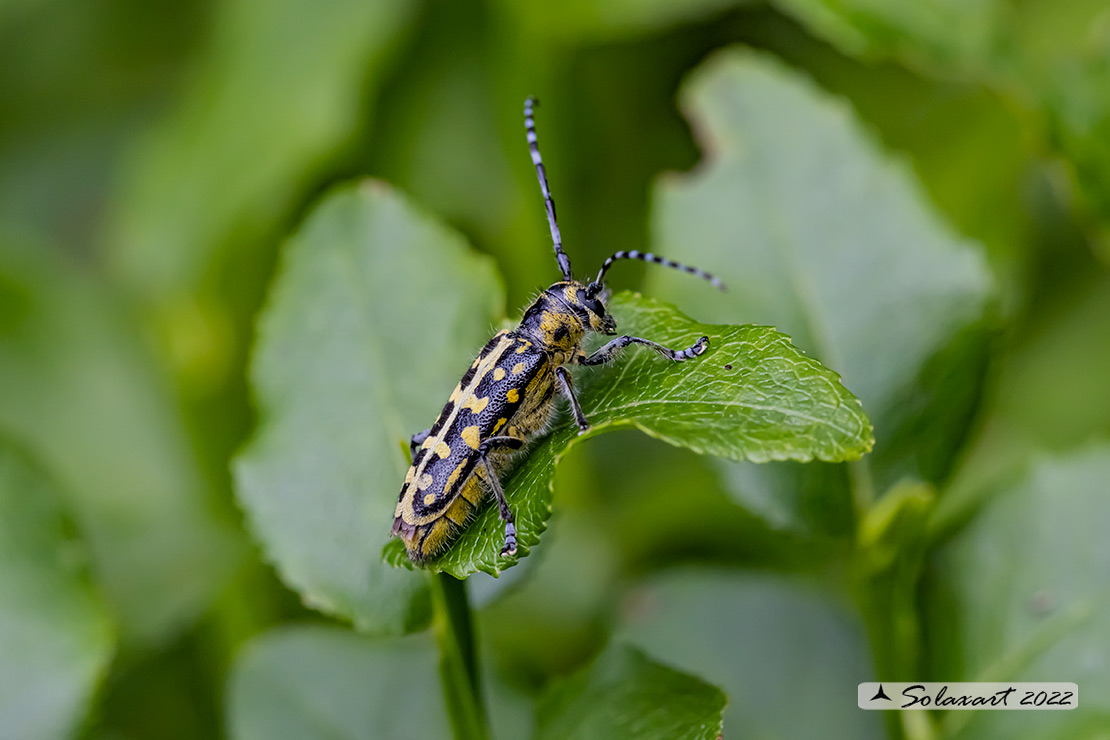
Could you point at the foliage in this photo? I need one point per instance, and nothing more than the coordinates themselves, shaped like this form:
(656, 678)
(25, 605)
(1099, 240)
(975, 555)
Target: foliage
(247, 248)
(624, 694)
(343, 382)
(332, 683)
(80, 391)
(55, 632)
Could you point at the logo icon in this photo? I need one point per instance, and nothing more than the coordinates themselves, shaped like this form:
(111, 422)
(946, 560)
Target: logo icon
(880, 694)
(966, 695)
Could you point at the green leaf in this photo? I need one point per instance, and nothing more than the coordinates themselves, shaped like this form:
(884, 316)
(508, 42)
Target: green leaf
(1049, 394)
(751, 396)
(626, 695)
(809, 498)
(340, 380)
(1079, 124)
(1022, 594)
(306, 683)
(81, 392)
(55, 633)
(282, 85)
(582, 21)
(66, 118)
(772, 645)
(949, 36)
(1048, 56)
(374, 315)
(819, 234)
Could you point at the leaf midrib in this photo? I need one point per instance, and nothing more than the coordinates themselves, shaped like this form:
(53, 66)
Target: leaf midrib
(719, 404)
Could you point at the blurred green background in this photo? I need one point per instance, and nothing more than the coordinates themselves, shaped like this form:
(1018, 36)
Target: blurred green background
(155, 156)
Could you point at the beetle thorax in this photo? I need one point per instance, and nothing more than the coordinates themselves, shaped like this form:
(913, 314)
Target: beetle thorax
(553, 326)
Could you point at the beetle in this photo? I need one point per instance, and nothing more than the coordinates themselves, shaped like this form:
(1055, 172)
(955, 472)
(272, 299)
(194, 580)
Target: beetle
(507, 396)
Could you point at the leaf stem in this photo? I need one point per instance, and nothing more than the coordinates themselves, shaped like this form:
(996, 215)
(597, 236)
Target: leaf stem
(862, 485)
(458, 664)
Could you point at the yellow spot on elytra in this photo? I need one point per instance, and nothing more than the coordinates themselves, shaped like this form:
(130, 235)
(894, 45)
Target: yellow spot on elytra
(454, 475)
(498, 374)
(475, 404)
(455, 394)
(523, 347)
(443, 450)
(470, 436)
(424, 481)
(410, 475)
(428, 443)
(513, 395)
(500, 423)
(429, 499)
(518, 368)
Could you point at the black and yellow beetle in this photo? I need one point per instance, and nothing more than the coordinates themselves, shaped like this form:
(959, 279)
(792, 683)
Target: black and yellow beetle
(507, 397)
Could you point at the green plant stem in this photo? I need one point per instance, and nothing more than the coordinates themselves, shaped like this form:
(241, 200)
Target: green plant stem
(458, 664)
(918, 725)
(890, 542)
(862, 485)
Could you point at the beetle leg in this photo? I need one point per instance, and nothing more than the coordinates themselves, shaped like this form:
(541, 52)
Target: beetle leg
(487, 446)
(568, 390)
(614, 348)
(417, 440)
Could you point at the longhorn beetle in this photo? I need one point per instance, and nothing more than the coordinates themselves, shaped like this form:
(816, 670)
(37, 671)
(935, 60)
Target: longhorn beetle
(507, 396)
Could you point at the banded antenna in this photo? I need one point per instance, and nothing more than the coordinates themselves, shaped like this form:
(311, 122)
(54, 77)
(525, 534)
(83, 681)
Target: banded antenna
(597, 284)
(541, 173)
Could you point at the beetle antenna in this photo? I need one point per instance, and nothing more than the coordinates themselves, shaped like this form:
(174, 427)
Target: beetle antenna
(541, 173)
(656, 259)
